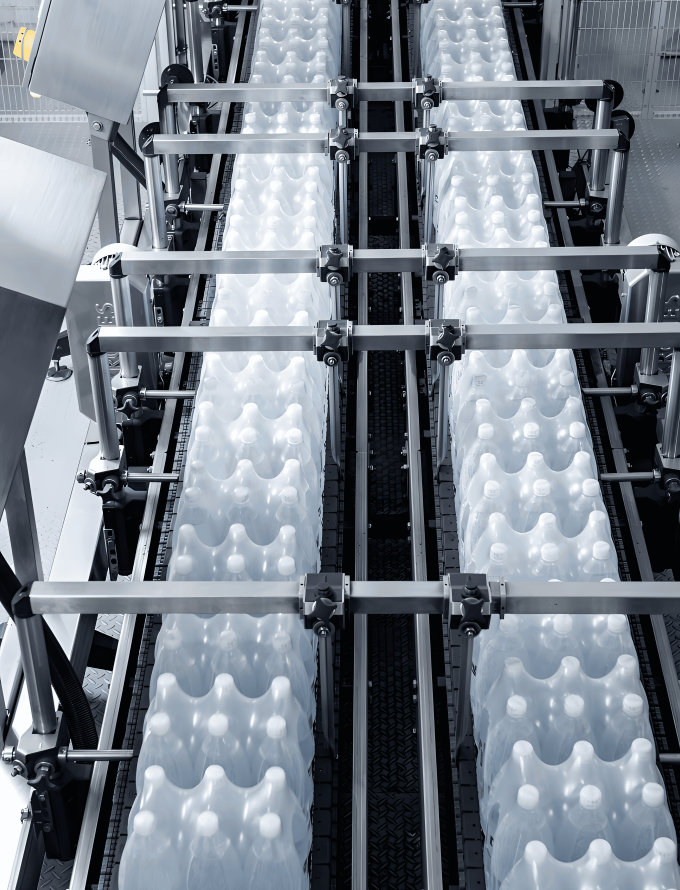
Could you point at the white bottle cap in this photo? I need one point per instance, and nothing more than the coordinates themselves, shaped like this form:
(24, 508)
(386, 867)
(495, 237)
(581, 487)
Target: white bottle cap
(192, 494)
(632, 705)
(617, 624)
(600, 850)
(498, 553)
(172, 640)
(215, 773)
(527, 177)
(289, 495)
(590, 488)
(276, 777)
(275, 185)
(574, 706)
(218, 724)
(228, 639)
(159, 724)
(581, 459)
(535, 853)
(531, 430)
(583, 751)
(527, 797)
(248, 435)
(516, 706)
(590, 797)
(154, 775)
(577, 430)
(144, 823)
(492, 489)
(286, 566)
(207, 823)
(240, 494)
(665, 849)
(541, 488)
(237, 532)
(498, 218)
(203, 433)
(294, 436)
(627, 664)
(563, 625)
(570, 666)
(276, 727)
(567, 378)
(509, 624)
(653, 794)
(641, 747)
(610, 580)
(485, 431)
(601, 550)
(236, 564)
(281, 687)
(281, 641)
(198, 466)
(550, 552)
(523, 378)
(522, 749)
(270, 825)
(184, 564)
(166, 682)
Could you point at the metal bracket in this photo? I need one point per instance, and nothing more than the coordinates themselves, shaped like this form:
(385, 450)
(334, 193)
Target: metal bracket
(111, 553)
(343, 139)
(669, 467)
(334, 263)
(342, 88)
(440, 262)
(445, 340)
(432, 140)
(652, 388)
(323, 597)
(470, 604)
(427, 89)
(333, 341)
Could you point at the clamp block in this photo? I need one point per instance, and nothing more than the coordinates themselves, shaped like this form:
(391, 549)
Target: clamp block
(341, 87)
(445, 340)
(427, 88)
(323, 597)
(334, 263)
(342, 140)
(469, 603)
(652, 388)
(432, 139)
(333, 341)
(669, 468)
(440, 262)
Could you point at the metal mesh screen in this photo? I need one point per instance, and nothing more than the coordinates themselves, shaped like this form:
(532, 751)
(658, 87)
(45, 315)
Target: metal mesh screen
(665, 99)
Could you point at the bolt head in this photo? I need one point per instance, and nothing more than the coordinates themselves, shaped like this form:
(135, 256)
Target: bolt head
(8, 754)
(445, 358)
(98, 126)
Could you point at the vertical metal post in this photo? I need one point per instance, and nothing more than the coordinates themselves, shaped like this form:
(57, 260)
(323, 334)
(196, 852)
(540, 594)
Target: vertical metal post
(102, 132)
(600, 156)
(180, 33)
(346, 66)
(617, 187)
(426, 105)
(154, 186)
(442, 415)
(568, 40)
(463, 697)
(122, 310)
(670, 443)
(416, 39)
(335, 285)
(334, 413)
(23, 532)
(550, 38)
(341, 106)
(193, 35)
(431, 158)
(132, 205)
(170, 162)
(170, 31)
(656, 297)
(102, 394)
(342, 161)
(36, 673)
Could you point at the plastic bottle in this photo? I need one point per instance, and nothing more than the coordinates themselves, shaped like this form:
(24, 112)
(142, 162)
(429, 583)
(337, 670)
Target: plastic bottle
(272, 864)
(164, 747)
(283, 662)
(558, 639)
(515, 726)
(508, 641)
(549, 567)
(566, 728)
(629, 724)
(214, 862)
(223, 748)
(614, 640)
(279, 749)
(526, 822)
(648, 819)
(540, 502)
(149, 859)
(172, 657)
(602, 564)
(230, 659)
(584, 822)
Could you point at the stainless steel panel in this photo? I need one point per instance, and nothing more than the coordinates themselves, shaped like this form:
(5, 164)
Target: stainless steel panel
(92, 53)
(49, 205)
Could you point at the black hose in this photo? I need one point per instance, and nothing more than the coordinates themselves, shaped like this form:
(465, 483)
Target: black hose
(69, 689)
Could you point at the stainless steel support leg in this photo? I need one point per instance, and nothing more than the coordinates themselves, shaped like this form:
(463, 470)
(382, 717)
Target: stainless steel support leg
(170, 162)
(152, 169)
(670, 443)
(170, 30)
(617, 187)
(122, 310)
(37, 673)
(102, 394)
(193, 36)
(463, 698)
(334, 414)
(23, 533)
(600, 156)
(431, 158)
(180, 33)
(656, 296)
(342, 159)
(442, 416)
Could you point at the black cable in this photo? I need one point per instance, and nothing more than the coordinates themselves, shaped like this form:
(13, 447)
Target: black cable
(69, 689)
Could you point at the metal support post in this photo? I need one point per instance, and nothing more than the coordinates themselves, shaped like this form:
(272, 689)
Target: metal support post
(102, 134)
(568, 39)
(335, 285)
(170, 162)
(431, 158)
(600, 156)
(154, 185)
(342, 160)
(463, 697)
(670, 443)
(426, 104)
(170, 31)
(132, 205)
(180, 33)
(37, 673)
(334, 413)
(416, 42)
(346, 67)
(23, 533)
(102, 394)
(617, 187)
(122, 310)
(656, 296)
(341, 106)
(193, 34)
(442, 415)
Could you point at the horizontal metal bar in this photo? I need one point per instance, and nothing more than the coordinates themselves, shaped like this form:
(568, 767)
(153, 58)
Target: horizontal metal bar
(568, 205)
(381, 91)
(609, 390)
(643, 476)
(150, 477)
(532, 140)
(669, 758)
(471, 259)
(366, 597)
(239, 143)
(210, 207)
(167, 393)
(372, 338)
(83, 755)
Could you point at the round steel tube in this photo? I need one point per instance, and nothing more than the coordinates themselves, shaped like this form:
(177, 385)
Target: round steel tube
(334, 414)
(102, 396)
(569, 36)
(429, 200)
(170, 162)
(122, 310)
(644, 476)
(600, 156)
(193, 27)
(656, 295)
(180, 33)
(342, 200)
(442, 415)
(154, 183)
(37, 674)
(670, 443)
(168, 393)
(617, 187)
(170, 31)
